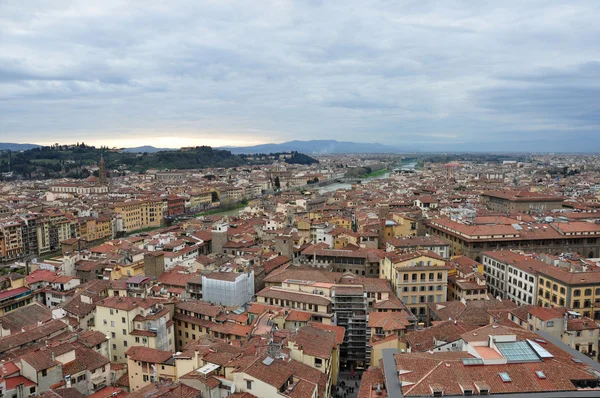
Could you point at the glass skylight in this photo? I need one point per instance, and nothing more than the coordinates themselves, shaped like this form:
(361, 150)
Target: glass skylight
(540, 374)
(518, 351)
(472, 361)
(541, 351)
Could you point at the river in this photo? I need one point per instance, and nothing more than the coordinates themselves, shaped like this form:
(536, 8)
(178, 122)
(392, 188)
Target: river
(409, 166)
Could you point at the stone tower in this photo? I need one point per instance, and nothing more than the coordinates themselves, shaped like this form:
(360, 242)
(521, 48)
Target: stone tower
(102, 170)
(284, 245)
(154, 263)
(219, 237)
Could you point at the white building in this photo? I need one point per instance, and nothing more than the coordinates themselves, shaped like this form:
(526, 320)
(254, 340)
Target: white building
(512, 275)
(231, 289)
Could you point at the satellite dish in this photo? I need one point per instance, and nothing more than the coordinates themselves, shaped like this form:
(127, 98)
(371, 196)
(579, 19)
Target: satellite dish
(233, 388)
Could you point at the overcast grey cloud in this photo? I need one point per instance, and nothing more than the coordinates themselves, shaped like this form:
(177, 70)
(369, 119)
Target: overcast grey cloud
(457, 74)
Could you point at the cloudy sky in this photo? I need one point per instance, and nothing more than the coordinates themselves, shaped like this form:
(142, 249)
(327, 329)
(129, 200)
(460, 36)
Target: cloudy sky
(461, 74)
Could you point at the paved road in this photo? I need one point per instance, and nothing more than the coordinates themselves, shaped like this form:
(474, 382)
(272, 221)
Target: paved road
(350, 382)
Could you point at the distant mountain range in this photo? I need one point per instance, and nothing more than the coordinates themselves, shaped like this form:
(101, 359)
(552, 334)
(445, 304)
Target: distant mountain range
(315, 147)
(16, 147)
(148, 148)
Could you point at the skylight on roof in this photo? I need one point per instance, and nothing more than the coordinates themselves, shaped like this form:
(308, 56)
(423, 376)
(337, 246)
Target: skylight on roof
(540, 374)
(505, 377)
(209, 367)
(517, 351)
(472, 361)
(576, 360)
(541, 351)
(267, 361)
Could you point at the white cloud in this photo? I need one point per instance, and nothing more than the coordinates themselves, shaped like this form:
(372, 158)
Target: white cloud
(276, 70)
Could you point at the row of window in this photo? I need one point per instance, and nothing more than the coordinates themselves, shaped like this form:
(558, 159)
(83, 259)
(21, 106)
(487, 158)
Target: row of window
(519, 273)
(422, 299)
(414, 278)
(422, 288)
(576, 292)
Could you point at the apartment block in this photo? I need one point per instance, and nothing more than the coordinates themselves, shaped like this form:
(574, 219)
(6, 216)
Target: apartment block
(350, 306)
(520, 201)
(132, 322)
(147, 365)
(513, 275)
(418, 278)
(465, 281)
(576, 290)
(196, 319)
(139, 214)
(11, 241)
(471, 238)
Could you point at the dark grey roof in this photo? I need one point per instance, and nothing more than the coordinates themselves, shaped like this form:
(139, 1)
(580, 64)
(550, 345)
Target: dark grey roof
(392, 382)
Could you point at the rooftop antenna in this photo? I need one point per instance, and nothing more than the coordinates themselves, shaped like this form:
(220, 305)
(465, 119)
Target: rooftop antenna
(274, 349)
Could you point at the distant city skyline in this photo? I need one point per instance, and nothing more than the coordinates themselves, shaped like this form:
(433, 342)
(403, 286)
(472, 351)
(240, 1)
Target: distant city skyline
(426, 75)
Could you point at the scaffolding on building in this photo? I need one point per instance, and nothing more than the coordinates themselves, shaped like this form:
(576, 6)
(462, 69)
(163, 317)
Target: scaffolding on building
(350, 311)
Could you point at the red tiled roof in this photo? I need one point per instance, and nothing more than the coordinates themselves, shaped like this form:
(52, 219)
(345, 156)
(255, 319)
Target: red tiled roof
(13, 292)
(8, 369)
(580, 324)
(127, 303)
(372, 378)
(546, 313)
(389, 321)
(40, 275)
(150, 355)
(422, 372)
(523, 196)
(107, 392)
(300, 316)
(282, 294)
(425, 339)
(199, 307)
(13, 382)
(314, 341)
(338, 330)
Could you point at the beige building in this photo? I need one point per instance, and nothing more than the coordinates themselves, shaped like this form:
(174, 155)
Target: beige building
(138, 214)
(195, 319)
(270, 377)
(580, 333)
(201, 200)
(318, 349)
(520, 201)
(134, 322)
(466, 281)
(418, 278)
(147, 365)
(387, 330)
(11, 240)
(318, 305)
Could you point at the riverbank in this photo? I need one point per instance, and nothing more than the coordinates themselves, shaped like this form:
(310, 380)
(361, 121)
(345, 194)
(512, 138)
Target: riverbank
(220, 211)
(377, 173)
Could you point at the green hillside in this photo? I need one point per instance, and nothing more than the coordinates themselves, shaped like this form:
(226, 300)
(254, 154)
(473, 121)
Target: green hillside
(74, 160)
